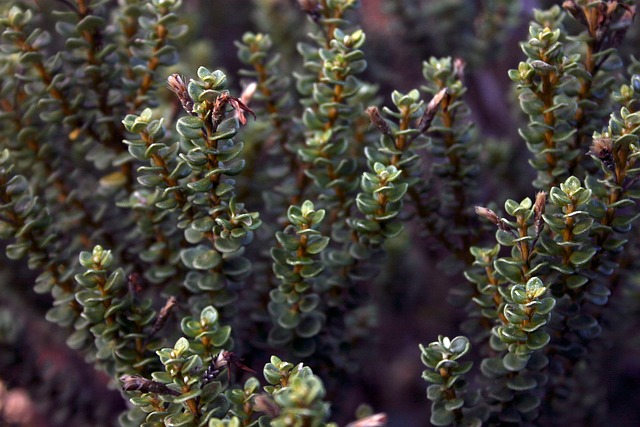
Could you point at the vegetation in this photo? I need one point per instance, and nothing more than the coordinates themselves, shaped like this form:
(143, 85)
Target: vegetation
(256, 243)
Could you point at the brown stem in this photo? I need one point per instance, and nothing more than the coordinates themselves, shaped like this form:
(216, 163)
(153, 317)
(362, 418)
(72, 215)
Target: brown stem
(546, 95)
(152, 65)
(450, 394)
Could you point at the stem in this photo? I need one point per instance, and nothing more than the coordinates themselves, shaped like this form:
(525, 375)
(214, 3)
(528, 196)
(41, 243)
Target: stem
(546, 96)
(450, 394)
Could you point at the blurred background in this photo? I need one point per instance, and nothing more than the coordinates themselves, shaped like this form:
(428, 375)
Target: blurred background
(401, 34)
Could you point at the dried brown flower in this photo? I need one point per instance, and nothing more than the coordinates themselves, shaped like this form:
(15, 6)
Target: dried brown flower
(375, 420)
(135, 284)
(432, 108)
(602, 148)
(576, 11)
(538, 211)
(262, 403)
(136, 382)
(220, 104)
(311, 8)
(458, 68)
(176, 84)
(243, 103)
(488, 214)
(164, 315)
(377, 120)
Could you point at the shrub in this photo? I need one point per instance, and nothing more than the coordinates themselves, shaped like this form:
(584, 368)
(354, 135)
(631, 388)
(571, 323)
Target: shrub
(296, 208)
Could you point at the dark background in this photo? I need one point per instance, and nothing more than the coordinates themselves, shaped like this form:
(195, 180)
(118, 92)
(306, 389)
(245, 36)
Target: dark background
(413, 308)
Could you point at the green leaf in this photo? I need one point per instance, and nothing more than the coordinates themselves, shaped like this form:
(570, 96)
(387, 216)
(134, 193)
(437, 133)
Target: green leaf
(181, 346)
(462, 368)
(582, 322)
(432, 377)
(90, 23)
(441, 417)
(493, 367)
(505, 238)
(208, 316)
(220, 337)
(17, 250)
(453, 404)
(519, 295)
(78, 339)
(237, 267)
(396, 192)
(391, 229)
(581, 257)
(514, 314)
(188, 396)
(287, 241)
(203, 224)
(538, 339)
(193, 236)
(190, 127)
(459, 345)
(201, 185)
(309, 303)
(182, 420)
(545, 305)
(526, 402)
(508, 270)
(192, 122)
(311, 270)
(200, 258)
(583, 226)
(289, 319)
(227, 245)
(558, 197)
(575, 281)
(535, 286)
(511, 206)
(310, 325)
(434, 392)
(317, 245)
(514, 362)
(512, 333)
(522, 382)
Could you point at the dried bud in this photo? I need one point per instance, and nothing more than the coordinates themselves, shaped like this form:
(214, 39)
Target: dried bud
(136, 382)
(219, 108)
(375, 420)
(430, 111)
(224, 359)
(488, 214)
(542, 67)
(241, 105)
(164, 315)
(602, 148)
(378, 121)
(262, 403)
(241, 108)
(458, 68)
(610, 26)
(16, 407)
(176, 84)
(538, 210)
(220, 105)
(610, 7)
(311, 8)
(210, 374)
(308, 5)
(135, 284)
(576, 11)
(620, 27)
(248, 92)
